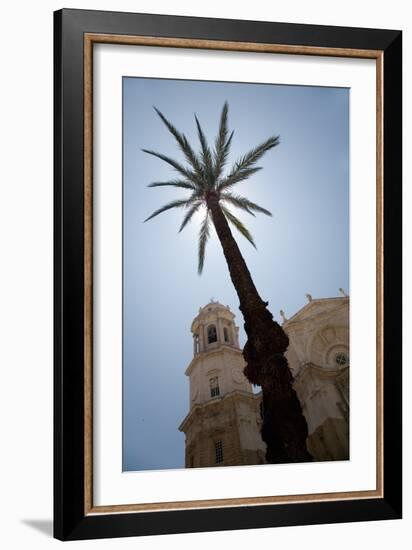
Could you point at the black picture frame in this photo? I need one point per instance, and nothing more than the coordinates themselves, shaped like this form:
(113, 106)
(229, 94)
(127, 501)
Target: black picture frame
(71, 522)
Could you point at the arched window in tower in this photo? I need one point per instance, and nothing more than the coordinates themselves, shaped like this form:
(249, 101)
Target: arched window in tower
(218, 452)
(196, 345)
(211, 334)
(226, 334)
(214, 387)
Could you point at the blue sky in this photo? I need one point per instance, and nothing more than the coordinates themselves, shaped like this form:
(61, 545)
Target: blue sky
(303, 248)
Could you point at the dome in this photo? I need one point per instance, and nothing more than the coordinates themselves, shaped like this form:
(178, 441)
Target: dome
(212, 306)
(213, 309)
(214, 326)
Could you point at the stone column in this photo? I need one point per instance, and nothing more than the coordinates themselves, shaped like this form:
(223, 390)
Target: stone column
(201, 339)
(221, 336)
(236, 342)
(234, 335)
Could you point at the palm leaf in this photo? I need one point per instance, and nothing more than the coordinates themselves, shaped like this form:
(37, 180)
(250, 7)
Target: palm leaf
(221, 159)
(204, 234)
(222, 143)
(244, 204)
(222, 136)
(238, 224)
(174, 183)
(187, 174)
(189, 214)
(168, 206)
(237, 176)
(244, 168)
(255, 154)
(206, 154)
(182, 141)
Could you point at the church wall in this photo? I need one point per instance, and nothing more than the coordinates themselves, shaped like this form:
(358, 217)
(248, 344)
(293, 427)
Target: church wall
(227, 364)
(303, 345)
(316, 336)
(249, 424)
(317, 333)
(215, 422)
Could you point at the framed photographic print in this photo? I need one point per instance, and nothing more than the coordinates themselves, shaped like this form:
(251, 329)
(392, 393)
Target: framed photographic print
(227, 274)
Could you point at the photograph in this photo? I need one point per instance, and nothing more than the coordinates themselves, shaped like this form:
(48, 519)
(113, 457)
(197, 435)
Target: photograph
(235, 274)
(227, 274)
(203, 275)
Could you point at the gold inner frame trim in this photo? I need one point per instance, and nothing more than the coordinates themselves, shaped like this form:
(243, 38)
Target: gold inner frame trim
(89, 40)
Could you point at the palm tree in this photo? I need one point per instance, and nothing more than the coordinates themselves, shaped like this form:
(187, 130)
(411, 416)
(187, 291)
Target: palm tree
(211, 190)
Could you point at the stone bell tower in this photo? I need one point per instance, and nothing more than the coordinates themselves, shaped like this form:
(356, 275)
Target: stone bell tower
(222, 427)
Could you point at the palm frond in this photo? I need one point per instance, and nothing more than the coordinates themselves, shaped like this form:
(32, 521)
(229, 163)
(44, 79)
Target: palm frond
(195, 207)
(204, 234)
(244, 204)
(187, 174)
(239, 225)
(205, 153)
(168, 206)
(237, 176)
(222, 136)
(222, 143)
(244, 168)
(255, 154)
(174, 183)
(220, 160)
(183, 143)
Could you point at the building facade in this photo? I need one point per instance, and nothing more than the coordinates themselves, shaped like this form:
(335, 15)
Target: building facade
(318, 356)
(222, 427)
(223, 424)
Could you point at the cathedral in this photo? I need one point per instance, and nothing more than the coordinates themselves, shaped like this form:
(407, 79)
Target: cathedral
(222, 427)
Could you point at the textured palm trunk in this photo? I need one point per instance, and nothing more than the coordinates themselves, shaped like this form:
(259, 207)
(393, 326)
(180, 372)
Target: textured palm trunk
(284, 428)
